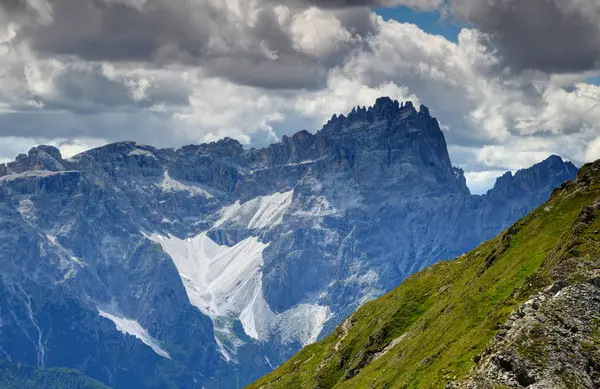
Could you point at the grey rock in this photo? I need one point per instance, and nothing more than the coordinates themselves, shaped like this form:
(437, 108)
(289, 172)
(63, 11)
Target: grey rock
(551, 347)
(556, 287)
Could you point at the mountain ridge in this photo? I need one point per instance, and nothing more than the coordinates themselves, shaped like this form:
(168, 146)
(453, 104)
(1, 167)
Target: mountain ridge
(225, 260)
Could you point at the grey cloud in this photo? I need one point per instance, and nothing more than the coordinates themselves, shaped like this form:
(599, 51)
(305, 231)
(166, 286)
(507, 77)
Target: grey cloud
(115, 126)
(194, 33)
(97, 30)
(547, 35)
(86, 89)
(15, 6)
(288, 72)
(18, 8)
(357, 20)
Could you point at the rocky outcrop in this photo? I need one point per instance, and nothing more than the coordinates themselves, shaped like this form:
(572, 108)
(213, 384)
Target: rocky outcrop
(551, 342)
(39, 158)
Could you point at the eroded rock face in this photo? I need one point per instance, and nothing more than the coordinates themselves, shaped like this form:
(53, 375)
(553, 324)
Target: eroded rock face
(551, 342)
(222, 262)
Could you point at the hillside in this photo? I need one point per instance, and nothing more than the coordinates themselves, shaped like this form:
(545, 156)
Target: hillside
(517, 311)
(20, 376)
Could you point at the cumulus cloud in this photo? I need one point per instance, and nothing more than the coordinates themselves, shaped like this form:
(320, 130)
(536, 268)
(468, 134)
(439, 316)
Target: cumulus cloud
(344, 93)
(593, 150)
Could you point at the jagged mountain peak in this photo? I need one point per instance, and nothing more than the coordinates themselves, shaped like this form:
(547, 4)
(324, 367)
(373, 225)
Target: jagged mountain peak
(384, 108)
(534, 177)
(226, 147)
(38, 158)
(50, 150)
(554, 163)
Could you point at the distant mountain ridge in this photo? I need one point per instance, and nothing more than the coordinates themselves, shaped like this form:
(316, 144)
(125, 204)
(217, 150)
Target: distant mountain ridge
(222, 262)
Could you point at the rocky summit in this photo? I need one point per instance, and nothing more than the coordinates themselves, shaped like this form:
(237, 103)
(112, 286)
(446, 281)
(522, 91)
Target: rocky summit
(211, 265)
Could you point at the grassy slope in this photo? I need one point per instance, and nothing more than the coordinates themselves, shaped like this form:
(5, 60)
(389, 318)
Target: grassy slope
(20, 376)
(450, 311)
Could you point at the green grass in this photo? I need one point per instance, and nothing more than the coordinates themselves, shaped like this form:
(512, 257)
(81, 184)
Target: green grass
(449, 312)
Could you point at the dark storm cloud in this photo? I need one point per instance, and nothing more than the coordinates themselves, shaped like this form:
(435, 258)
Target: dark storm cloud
(18, 7)
(547, 35)
(197, 33)
(14, 6)
(113, 31)
(89, 90)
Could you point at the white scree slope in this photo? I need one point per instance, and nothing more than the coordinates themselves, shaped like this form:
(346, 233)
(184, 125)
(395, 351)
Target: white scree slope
(263, 212)
(132, 327)
(225, 283)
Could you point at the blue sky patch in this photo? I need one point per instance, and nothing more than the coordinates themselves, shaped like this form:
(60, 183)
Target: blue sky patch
(594, 80)
(430, 22)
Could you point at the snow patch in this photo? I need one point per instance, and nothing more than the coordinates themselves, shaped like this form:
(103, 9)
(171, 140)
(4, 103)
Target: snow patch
(260, 213)
(132, 327)
(169, 184)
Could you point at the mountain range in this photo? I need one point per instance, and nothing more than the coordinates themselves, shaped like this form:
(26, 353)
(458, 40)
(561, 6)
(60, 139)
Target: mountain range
(210, 265)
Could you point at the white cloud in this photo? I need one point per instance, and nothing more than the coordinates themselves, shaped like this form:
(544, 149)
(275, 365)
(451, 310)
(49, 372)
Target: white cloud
(345, 92)
(318, 33)
(481, 182)
(593, 151)
(13, 146)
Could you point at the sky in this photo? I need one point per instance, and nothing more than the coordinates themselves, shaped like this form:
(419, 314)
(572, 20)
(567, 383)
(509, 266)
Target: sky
(510, 81)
